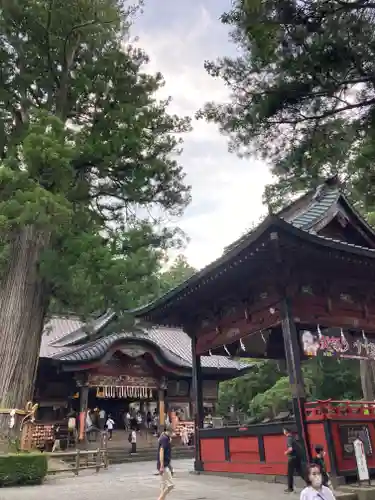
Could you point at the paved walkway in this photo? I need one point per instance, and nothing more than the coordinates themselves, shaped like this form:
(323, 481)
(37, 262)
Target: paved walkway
(137, 481)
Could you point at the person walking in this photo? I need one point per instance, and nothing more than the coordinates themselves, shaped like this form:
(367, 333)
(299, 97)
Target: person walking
(133, 441)
(320, 462)
(102, 416)
(184, 436)
(110, 424)
(315, 489)
(294, 459)
(163, 464)
(149, 420)
(127, 418)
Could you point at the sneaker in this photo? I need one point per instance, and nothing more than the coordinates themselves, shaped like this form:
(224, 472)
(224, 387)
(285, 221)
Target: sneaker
(289, 490)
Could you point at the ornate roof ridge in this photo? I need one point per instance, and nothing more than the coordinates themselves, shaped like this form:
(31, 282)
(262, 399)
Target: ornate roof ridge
(322, 200)
(97, 349)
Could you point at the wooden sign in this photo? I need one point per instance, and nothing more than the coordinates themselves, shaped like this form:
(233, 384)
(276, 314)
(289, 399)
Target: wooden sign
(361, 460)
(98, 380)
(349, 433)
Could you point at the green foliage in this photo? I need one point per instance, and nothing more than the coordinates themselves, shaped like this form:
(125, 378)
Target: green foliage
(87, 152)
(302, 93)
(240, 391)
(22, 469)
(265, 391)
(179, 271)
(270, 402)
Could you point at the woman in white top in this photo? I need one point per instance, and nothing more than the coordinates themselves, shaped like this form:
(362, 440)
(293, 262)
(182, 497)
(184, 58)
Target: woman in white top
(315, 489)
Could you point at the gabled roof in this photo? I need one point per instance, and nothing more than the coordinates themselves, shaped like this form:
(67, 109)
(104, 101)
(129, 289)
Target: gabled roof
(317, 205)
(173, 344)
(314, 210)
(304, 218)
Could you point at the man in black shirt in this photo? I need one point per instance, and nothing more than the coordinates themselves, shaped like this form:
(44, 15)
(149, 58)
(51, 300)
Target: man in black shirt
(164, 463)
(294, 459)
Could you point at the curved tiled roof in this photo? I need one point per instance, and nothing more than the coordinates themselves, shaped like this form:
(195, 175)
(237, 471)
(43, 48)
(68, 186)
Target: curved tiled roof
(316, 210)
(171, 343)
(56, 329)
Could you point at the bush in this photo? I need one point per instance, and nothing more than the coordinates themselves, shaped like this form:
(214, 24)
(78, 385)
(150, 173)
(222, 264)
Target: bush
(19, 469)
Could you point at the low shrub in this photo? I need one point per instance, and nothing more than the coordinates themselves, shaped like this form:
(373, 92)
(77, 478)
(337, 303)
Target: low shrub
(17, 469)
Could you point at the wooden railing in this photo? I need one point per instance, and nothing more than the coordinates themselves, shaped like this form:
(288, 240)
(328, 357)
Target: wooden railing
(80, 460)
(331, 409)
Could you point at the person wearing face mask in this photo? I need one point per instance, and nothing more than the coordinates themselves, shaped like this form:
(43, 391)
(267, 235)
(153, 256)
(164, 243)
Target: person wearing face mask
(315, 489)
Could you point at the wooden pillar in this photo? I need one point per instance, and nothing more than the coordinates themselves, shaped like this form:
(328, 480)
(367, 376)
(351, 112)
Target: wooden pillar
(291, 346)
(161, 394)
(191, 410)
(198, 403)
(293, 363)
(83, 404)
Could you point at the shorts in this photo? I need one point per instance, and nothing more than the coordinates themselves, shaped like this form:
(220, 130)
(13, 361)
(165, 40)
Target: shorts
(166, 480)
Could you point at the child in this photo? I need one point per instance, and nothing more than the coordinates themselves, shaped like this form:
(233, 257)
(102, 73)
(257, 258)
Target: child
(319, 461)
(109, 424)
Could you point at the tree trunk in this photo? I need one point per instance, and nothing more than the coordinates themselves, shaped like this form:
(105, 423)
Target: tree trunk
(22, 312)
(367, 371)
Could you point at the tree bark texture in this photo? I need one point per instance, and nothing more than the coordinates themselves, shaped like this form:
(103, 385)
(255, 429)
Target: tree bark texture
(22, 312)
(367, 371)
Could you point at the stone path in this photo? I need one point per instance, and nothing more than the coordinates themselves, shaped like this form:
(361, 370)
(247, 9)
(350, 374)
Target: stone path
(136, 481)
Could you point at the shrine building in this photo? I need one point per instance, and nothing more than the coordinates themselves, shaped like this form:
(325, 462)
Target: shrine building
(85, 366)
(299, 285)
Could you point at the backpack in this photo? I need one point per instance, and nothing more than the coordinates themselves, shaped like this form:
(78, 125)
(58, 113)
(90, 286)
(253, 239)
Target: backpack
(130, 437)
(297, 448)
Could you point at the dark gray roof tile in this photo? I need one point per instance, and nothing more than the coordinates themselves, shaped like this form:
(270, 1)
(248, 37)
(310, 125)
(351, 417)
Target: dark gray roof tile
(54, 331)
(316, 209)
(174, 343)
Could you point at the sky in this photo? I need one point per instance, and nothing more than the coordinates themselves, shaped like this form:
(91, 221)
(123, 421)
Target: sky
(227, 191)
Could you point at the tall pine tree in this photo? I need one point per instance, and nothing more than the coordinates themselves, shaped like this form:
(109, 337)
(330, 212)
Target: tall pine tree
(85, 149)
(303, 96)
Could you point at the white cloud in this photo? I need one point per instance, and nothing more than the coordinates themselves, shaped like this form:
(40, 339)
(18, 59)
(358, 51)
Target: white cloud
(226, 191)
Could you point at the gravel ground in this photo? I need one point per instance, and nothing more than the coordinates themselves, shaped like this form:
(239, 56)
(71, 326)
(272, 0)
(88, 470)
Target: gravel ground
(137, 481)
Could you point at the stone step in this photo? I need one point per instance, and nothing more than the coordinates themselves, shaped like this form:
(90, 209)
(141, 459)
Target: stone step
(126, 458)
(121, 455)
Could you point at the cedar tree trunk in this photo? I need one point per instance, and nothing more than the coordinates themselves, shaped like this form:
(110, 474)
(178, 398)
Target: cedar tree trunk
(22, 313)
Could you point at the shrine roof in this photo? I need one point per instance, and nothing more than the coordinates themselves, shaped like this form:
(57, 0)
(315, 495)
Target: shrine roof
(173, 344)
(317, 207)
(302, 219)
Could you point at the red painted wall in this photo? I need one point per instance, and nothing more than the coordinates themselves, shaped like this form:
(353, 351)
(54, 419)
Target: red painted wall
(212, 450)
(244, 449)
(245, 455)
(317, 436)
